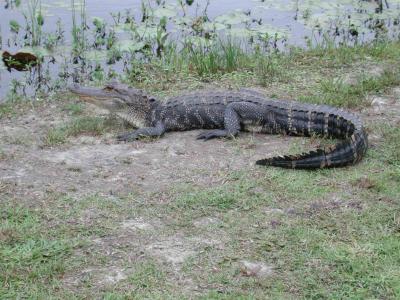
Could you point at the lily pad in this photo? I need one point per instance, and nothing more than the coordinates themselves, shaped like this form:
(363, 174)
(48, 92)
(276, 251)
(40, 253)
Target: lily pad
(198, 41)
(96, 55)
(213, 26)
(168, 12)
(126, 27)
(233, 18)
(240, 33)
(147, 31)
(130, 46)
(271, 30)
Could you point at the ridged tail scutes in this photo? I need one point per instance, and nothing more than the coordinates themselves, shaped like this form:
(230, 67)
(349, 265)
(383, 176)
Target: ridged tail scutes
(342, 154)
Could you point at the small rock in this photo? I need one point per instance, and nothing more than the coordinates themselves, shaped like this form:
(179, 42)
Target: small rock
(273, 211)
(136, 224)
(379, 101)
(202, 222)
(255, 269)
(365, 183)
(396, 91)
(115, 275)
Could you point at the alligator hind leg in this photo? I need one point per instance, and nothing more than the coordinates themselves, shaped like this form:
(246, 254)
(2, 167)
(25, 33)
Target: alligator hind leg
(156, 131)
(231, 126)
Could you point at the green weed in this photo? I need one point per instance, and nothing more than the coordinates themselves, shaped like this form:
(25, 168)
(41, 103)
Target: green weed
(269, 68)
(204, 60)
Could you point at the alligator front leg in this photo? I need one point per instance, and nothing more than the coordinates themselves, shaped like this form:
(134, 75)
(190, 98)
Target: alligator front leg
(155, 131)
(231, 125)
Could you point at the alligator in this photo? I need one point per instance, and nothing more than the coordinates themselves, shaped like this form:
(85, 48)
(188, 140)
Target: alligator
(227, 112)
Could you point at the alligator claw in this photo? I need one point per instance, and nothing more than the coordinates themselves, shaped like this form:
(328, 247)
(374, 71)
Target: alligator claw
(127, 137)
(205, 136)
(208, 135)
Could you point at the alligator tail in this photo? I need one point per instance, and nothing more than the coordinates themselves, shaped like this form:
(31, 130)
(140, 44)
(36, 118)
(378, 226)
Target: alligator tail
(342, 154)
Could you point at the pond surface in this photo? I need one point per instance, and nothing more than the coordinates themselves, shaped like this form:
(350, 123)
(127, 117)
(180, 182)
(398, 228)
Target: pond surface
(45, 29)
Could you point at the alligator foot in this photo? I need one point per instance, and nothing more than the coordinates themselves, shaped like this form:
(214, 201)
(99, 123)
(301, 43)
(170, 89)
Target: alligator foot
(208, 135)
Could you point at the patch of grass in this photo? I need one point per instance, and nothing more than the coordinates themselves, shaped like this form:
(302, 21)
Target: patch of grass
(216, 295)
(217, 199)
(270, 68)
(332, 249)
(363, 269)
(391, 135)
(20, 139)
(55, 136)
(74, 108)
(350, 257)
(81, 125)
(32, 255)
(148, 276)
(233, 56)
(332, 56)
(337, 93)
(3, 155)
(6, 109)
(204, 61)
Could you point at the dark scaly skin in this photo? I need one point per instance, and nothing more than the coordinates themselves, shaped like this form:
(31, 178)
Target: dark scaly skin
(228, 112)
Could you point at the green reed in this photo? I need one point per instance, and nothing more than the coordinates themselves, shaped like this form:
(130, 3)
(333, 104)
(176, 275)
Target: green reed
(35, 20)
(78, 30)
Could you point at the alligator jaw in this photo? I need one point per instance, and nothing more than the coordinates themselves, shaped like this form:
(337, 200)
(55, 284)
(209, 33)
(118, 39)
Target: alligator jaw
(105, 98)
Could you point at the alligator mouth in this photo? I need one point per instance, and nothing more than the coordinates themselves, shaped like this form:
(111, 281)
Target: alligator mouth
(94, 95)
(103, 97)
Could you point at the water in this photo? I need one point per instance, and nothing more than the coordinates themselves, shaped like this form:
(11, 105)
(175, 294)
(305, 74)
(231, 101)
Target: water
(296, 22)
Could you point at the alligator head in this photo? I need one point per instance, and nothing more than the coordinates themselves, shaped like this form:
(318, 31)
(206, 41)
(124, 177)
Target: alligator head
(130, 104)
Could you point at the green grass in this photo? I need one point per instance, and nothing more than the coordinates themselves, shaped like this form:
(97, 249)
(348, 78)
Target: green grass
(80, 125)
(320, 248)
(219, 57)
(32, 255)
(3, 155)
(336, 93)
(6, 109)
(392, 153)
(271, 68)
(337, 57)
(74, 108)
